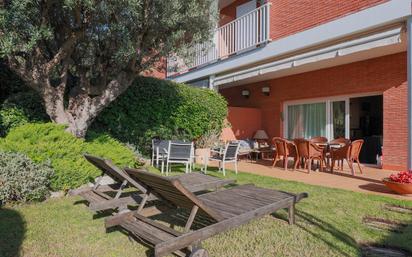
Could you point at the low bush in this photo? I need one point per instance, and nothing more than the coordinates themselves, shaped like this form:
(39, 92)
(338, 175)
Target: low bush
(49, 142)
(21, 179)
(159, 108)
(19, 109)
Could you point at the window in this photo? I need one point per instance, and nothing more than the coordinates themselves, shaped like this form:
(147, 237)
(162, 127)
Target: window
(328, 118)
(307, 120)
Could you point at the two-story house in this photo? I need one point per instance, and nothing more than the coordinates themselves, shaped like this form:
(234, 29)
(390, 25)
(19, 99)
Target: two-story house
(328, 68)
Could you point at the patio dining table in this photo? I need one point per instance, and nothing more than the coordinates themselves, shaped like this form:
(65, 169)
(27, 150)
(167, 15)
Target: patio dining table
(327, 149)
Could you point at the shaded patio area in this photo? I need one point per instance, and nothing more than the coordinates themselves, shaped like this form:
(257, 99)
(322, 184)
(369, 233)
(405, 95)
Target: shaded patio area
(368, 182)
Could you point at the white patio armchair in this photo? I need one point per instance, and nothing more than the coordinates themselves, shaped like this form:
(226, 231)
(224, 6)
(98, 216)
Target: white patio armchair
(229, 155)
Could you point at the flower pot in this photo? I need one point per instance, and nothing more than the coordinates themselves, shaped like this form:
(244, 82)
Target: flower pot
(400, 188)
(202, 155)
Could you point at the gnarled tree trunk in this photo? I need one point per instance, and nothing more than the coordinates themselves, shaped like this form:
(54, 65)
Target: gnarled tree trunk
(77, 108)
(83, 108)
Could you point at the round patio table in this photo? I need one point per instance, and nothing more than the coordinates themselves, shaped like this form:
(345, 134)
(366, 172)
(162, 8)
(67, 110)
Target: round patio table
(327, 149)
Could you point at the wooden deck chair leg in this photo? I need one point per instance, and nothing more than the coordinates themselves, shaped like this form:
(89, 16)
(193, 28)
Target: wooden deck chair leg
(285, 162)
(120, 190)
(191, 218)
(143, 202)
(98, 181)
(291, 214)
(236, 166)
(223, 168)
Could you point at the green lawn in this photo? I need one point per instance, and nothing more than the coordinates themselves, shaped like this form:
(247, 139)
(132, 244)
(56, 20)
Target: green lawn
(329, 223)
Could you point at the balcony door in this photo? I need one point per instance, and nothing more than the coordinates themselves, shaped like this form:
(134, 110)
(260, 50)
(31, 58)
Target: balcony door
(307, 119)
(244, 28)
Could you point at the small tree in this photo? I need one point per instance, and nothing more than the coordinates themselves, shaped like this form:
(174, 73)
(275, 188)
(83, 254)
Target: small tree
(80, 55)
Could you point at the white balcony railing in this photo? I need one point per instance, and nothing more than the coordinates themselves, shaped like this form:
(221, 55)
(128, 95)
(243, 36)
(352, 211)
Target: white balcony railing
(242, 34)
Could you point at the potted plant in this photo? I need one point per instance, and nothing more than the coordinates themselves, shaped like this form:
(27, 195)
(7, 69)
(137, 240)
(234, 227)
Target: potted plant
(400, 182)
(203, 145)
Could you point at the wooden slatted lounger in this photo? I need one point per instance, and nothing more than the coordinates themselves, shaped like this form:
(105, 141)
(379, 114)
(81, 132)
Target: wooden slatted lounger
(99, 197)
(228, 209)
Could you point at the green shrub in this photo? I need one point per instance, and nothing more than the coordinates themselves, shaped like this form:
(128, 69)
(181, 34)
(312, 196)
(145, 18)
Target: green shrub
(19, 109)
(159, 108)
(21, 179)
(49, 142)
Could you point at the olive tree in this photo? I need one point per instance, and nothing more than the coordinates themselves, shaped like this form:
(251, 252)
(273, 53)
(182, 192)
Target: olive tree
(80, 55)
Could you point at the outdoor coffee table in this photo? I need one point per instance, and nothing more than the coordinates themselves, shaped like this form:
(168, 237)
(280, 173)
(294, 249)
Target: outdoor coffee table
(261, 151)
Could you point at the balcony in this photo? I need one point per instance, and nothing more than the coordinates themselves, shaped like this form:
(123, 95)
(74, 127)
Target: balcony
(240, 35)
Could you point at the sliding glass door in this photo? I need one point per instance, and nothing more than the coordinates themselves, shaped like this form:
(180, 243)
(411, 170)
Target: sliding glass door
(338, 118)
(328, 118)
(307, 120)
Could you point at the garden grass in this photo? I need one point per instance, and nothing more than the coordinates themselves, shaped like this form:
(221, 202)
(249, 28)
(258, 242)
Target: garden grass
(328, 223)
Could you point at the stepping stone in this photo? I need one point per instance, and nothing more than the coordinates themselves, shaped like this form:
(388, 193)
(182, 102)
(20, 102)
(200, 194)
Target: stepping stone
(384, 224)
(397, 208)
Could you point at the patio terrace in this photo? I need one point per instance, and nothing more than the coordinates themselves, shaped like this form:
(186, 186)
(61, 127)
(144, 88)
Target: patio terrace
(368, 182)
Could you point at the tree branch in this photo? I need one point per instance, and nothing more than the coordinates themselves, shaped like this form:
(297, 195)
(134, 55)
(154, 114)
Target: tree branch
(64, 51)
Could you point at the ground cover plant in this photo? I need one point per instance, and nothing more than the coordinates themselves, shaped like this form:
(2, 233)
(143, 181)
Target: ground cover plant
(49, 142)
(329, 223)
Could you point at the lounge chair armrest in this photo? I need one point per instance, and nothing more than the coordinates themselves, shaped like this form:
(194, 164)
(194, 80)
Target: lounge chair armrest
(301, 196)
(117, 219)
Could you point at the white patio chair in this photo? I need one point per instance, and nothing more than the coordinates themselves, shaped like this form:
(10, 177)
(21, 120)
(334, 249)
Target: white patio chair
(180, 152)
(159, 150)
(230, 154)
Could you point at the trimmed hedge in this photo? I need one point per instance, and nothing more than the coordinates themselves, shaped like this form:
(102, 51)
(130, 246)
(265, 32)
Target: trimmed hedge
(49, 142)
(21, 179)
(160, 108)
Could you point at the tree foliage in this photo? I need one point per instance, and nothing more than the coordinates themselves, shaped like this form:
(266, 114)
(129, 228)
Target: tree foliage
(80, 55)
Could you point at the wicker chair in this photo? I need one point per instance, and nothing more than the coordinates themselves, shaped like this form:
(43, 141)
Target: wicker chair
(318, 140)
(342, 142)
(308, 151)
(350, 153)
(285, 149)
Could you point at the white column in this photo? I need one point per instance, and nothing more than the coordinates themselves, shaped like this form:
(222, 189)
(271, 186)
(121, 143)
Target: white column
(409, 68)
(212, 82)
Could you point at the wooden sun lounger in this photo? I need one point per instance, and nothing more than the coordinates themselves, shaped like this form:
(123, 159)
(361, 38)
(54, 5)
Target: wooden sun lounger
(227, 209)
(105, 197)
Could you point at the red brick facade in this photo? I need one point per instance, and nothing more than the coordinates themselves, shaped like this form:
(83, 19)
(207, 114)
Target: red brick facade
(291, 16)
(385, 75)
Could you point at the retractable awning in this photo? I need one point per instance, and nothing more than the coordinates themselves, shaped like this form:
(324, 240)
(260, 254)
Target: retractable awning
(384, 38)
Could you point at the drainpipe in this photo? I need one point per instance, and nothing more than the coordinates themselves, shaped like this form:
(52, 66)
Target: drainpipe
(409, 71)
